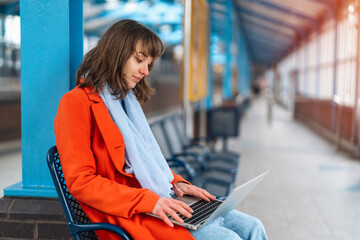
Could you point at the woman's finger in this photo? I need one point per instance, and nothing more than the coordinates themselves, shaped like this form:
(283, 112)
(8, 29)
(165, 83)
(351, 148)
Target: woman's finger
(183, 208)
(178, 192)
(176, 207)
(174, 215)
(206, 193)
(166, 207)
(163, 217)
(201, 193)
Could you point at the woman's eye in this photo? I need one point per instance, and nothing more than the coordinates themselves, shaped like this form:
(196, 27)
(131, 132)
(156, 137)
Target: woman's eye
(138, 60)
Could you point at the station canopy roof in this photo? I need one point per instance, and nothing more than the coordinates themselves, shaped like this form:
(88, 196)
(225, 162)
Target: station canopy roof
(271, 27)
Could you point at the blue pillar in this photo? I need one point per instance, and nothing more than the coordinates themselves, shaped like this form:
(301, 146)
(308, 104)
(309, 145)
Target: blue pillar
(51, 46)
(208, 100)
(76, 38)
(239, 57)
(212, 31)
(244, 82)
(227, 81)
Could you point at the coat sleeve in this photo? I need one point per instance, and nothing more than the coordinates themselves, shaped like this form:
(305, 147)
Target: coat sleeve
(73, 129)
(178, 178)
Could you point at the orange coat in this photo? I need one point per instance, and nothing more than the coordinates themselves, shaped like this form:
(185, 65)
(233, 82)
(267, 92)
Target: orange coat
(92, 154)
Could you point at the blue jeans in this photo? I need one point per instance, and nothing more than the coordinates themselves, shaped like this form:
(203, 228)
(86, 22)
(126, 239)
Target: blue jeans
(234, 225)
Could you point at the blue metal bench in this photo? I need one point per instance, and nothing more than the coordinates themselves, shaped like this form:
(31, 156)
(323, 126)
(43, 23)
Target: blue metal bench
(78, 222)
(192, 166)
(212, 158)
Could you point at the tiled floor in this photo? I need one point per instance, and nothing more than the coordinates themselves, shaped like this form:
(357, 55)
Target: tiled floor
(312, 191)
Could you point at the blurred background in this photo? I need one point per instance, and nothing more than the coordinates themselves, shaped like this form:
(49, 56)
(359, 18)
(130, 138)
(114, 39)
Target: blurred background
(290, 68)
(303, 54)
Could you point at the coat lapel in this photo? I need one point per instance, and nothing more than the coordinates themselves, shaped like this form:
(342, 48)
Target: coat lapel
(112, 136)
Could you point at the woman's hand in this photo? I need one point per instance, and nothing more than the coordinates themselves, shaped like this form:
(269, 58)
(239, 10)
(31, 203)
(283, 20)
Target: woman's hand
(181, 188)
(171, 206)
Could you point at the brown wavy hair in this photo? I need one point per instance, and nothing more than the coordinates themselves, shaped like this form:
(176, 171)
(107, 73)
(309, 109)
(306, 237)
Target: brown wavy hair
(104, 63)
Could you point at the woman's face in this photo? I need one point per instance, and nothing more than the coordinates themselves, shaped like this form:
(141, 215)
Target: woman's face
(136, 67)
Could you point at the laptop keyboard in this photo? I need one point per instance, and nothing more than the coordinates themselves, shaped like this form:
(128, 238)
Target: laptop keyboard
(202, 210)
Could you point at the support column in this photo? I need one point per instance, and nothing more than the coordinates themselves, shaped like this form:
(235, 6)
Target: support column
(51, 50)
(208, 100)
(76, 38)
(227, 81)
(187, 43)
(244, 73)
(306, 66)
(317, 74)
(2, 48)
(239, 58)
(333, 103)
(355, 133)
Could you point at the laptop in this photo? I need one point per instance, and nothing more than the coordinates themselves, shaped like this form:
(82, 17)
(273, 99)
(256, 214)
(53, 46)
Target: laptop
(205, 212)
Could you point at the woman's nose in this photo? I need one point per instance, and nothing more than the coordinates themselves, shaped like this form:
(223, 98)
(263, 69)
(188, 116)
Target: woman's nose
(144, 70)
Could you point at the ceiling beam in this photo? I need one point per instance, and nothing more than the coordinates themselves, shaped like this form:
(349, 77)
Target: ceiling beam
(299, 30)
(11, 8)
(269, 42)
(99, 1)
(285, 10)
(264, 24)
(331, 4)
(261, 49)
(264, 57)
(272, 37)
(267, 60)
(268, 33)
(266, 28)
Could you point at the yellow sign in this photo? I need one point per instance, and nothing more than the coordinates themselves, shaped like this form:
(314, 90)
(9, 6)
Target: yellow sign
(199, 51)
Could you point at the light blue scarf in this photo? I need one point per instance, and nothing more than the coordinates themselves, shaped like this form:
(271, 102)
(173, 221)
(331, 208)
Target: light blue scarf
(142, 153)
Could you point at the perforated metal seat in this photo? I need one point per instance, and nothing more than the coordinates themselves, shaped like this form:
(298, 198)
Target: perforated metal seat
(206, 145)
(78, 222)
(188, 165)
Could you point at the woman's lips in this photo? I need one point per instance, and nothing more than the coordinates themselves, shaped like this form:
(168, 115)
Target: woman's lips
(137, 79)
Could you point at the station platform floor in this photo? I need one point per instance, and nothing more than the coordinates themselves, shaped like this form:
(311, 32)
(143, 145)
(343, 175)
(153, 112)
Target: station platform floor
(312, 191)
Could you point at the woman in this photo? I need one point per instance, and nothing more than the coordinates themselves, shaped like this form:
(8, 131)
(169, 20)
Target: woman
(108, 153)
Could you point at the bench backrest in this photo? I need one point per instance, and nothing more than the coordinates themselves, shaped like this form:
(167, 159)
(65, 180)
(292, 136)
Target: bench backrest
(73, 212)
